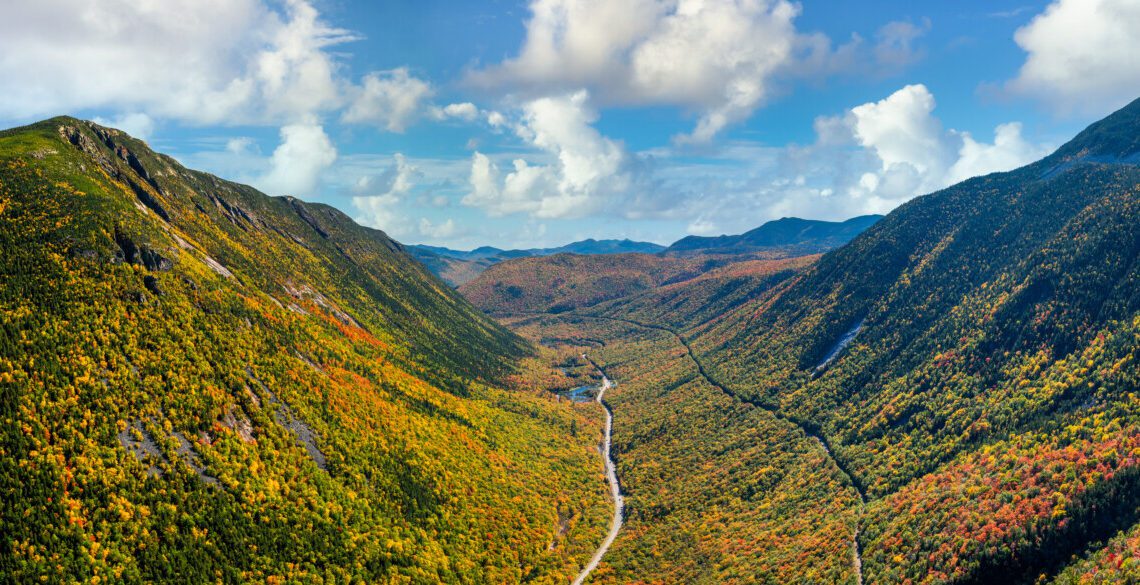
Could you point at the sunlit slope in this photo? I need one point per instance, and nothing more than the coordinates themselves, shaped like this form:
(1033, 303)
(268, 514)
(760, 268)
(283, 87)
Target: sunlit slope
(987, 404)
(199, 382)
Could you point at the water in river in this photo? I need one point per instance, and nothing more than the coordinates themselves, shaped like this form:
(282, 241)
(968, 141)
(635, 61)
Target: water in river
(582, 393)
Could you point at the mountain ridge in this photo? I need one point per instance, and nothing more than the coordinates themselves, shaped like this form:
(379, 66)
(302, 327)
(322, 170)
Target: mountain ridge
(969, 363)
(201, 382)
(800, 236)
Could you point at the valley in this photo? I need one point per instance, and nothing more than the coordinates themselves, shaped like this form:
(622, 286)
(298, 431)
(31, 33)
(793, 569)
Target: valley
(611, 479)
(966, 421)
(259, 387)
(570, 292)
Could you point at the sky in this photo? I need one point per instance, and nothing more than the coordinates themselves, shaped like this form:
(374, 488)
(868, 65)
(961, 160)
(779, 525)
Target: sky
(541, 122)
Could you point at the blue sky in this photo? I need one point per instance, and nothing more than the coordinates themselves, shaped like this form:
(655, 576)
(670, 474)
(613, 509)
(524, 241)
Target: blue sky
(535, 123)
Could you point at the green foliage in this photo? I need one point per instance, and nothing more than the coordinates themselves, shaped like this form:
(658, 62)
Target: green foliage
(986, 405)
(300, 399)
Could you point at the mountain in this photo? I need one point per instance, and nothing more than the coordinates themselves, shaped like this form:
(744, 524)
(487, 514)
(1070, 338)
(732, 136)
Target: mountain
(785, 237)
(791, 234)
(592, 246)
(569, 281)
(199, 382)
(953, 393)
(458, 267)
(545, 279)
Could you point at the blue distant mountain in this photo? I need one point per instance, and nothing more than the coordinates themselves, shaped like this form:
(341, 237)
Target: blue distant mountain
(789, 234)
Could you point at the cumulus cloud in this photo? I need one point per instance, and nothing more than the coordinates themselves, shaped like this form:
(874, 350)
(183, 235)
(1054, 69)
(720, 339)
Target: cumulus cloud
(390, 100)
(911, 153)
(204, 61)
(586, 170)
(717, 58)
(466, 111)
(1083, 56)
(136, 124)
(296, 165)
(720, 59)
(379, 196)
(229, 62)
(869, 159)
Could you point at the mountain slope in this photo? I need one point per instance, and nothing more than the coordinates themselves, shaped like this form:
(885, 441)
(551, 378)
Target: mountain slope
(971, 360)
(457, 267)
(199, 382)
(568, 281)
(792, 235)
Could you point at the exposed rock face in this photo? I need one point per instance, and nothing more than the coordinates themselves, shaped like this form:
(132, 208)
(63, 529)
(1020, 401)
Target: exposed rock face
(136, 439)
(303, 213)
(151, 284)
(141, 255)
(236, 420)
(285, 417)
(235, 214)
(84, 142)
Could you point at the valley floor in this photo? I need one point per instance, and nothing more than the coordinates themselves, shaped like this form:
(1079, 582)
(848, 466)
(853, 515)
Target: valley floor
(718, 489)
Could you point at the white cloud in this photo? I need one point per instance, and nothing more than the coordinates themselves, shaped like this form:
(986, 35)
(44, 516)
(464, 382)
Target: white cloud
(586, 172)
(720, 59)
(870, 159)
(912, 154)
(136, 124)
(464, 111)
(379, 196)
(701, 227)
(204, 61)
(717, 58)
(1083, 55)
(296, 165)
(389, 99)
(441, 231)
(904, 135)
(496, 119)
(241, 145)
(1009, 151)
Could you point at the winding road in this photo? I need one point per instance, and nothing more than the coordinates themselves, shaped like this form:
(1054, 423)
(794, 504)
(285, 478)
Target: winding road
(611, 478)
(811, 430)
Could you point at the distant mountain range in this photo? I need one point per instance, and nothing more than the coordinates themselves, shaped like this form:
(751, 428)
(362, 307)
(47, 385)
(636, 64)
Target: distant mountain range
(457, 267)
(590, 246)
(785, 237)
(957, 387)
(801, 236)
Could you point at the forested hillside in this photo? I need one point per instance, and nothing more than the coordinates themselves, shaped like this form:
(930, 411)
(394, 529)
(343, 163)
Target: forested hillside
(791, 236)
(202, 383)
(568, 282)
(460, 267)
(969, 364)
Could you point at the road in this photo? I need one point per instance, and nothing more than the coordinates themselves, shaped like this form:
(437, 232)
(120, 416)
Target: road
(809, 429)
(611, 478)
